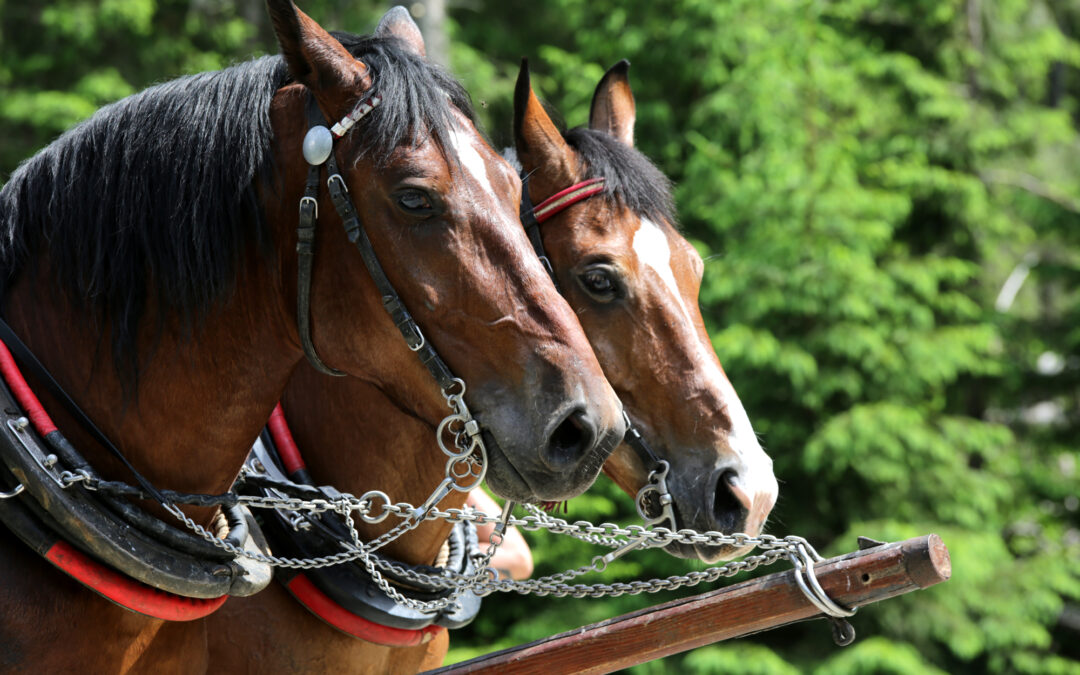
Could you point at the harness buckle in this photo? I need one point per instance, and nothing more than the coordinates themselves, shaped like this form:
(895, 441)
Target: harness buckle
(340, 180)
(314, 203)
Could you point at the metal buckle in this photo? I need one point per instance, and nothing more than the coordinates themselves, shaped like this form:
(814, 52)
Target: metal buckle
(340, 180)
(314, 203)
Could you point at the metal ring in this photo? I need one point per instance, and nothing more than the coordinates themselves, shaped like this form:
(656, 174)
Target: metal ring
(14, 493)
(804, 571)
(442, 429)
(547, 265)
(369, 497)
(811, 576)
(423, 340)
(459, 382)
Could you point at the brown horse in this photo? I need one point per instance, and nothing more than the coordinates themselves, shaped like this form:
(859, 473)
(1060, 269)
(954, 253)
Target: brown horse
(165, 228)
(633, 281)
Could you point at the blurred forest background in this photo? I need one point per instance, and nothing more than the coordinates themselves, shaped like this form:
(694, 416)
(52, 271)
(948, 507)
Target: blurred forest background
(888, 195)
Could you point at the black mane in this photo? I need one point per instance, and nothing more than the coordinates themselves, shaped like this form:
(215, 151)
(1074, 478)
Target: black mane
(417, 97)
(154, 196)
(629, 177)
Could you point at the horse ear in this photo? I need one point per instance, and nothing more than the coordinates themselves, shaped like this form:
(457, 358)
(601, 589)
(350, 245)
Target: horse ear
(316, 59)
(612, 108)
(538, 142)
(398, 23)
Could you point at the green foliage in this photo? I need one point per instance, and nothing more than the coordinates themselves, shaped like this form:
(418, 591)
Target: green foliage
(862, 177)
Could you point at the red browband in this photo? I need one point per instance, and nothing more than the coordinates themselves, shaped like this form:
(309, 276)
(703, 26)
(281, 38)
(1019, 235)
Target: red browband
(103, 580)
(568, 197)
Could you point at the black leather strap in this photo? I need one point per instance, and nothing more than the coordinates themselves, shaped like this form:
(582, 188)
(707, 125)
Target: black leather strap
(635, 440)
(305, 256)
(532, 228)
(354, 230)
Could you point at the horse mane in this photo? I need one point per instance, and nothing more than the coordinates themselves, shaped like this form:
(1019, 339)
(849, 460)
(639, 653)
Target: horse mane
(154, 196)
(629, 177)
(418, 97)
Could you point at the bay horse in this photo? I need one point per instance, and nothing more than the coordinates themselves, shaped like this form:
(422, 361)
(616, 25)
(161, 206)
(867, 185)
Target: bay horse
(149, 261)
(633, 281)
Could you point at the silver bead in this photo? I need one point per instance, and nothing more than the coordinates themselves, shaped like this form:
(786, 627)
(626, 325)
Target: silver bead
(317, 145)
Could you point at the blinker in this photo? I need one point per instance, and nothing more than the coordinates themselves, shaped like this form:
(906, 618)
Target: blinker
(318, 143)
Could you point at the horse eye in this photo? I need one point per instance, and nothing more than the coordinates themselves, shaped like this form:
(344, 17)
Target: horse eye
(600, 283)
(415, 202)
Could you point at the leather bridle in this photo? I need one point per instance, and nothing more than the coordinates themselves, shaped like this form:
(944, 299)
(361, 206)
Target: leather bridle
(654, 502)
(354, 230)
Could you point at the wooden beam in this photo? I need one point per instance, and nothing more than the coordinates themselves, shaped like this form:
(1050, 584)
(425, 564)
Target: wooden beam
(852, 580)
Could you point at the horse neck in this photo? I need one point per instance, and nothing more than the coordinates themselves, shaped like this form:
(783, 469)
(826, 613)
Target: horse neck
(202, 395)
(361, 436)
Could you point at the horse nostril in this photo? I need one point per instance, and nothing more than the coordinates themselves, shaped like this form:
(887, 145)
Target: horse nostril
(728, 513)
(570, 440)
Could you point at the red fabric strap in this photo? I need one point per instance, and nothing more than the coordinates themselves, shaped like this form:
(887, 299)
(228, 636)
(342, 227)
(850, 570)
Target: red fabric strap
(568, 197)
(127, 592)
(357, 626)
(283, 439)
(28, 401)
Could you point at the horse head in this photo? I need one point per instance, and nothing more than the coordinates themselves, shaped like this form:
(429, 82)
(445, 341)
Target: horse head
(440, 209)
(633, 280)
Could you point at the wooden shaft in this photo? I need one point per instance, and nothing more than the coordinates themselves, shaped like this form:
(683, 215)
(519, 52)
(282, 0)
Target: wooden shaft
(852, 580)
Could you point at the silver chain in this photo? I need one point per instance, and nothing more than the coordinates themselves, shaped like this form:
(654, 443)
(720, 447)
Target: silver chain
(458, 436)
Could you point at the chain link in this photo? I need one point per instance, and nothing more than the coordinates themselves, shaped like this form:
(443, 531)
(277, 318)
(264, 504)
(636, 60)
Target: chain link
(458, 436)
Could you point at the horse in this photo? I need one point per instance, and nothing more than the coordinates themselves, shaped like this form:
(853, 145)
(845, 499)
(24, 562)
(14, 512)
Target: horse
(633, 281)
(151, 263)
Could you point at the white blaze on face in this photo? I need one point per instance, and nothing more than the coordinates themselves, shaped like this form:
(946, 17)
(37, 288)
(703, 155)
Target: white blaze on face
(652, 249)
(753, 466)
(471, 161)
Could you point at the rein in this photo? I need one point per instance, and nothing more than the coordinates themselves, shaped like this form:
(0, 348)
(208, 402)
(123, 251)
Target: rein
(654, 502)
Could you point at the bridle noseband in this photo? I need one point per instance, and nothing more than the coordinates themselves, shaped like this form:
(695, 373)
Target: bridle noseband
(655, 493)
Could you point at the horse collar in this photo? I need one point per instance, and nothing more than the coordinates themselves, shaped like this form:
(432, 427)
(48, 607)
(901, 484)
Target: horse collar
(91, 532)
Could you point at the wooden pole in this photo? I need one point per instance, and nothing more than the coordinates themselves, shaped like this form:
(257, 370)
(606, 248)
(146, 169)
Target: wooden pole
(852, 580)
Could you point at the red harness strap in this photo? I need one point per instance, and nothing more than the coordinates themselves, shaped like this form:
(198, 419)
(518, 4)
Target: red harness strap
(125, 591)
(568, 197)
(319, 604)
(103, 580)
(286, 445)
